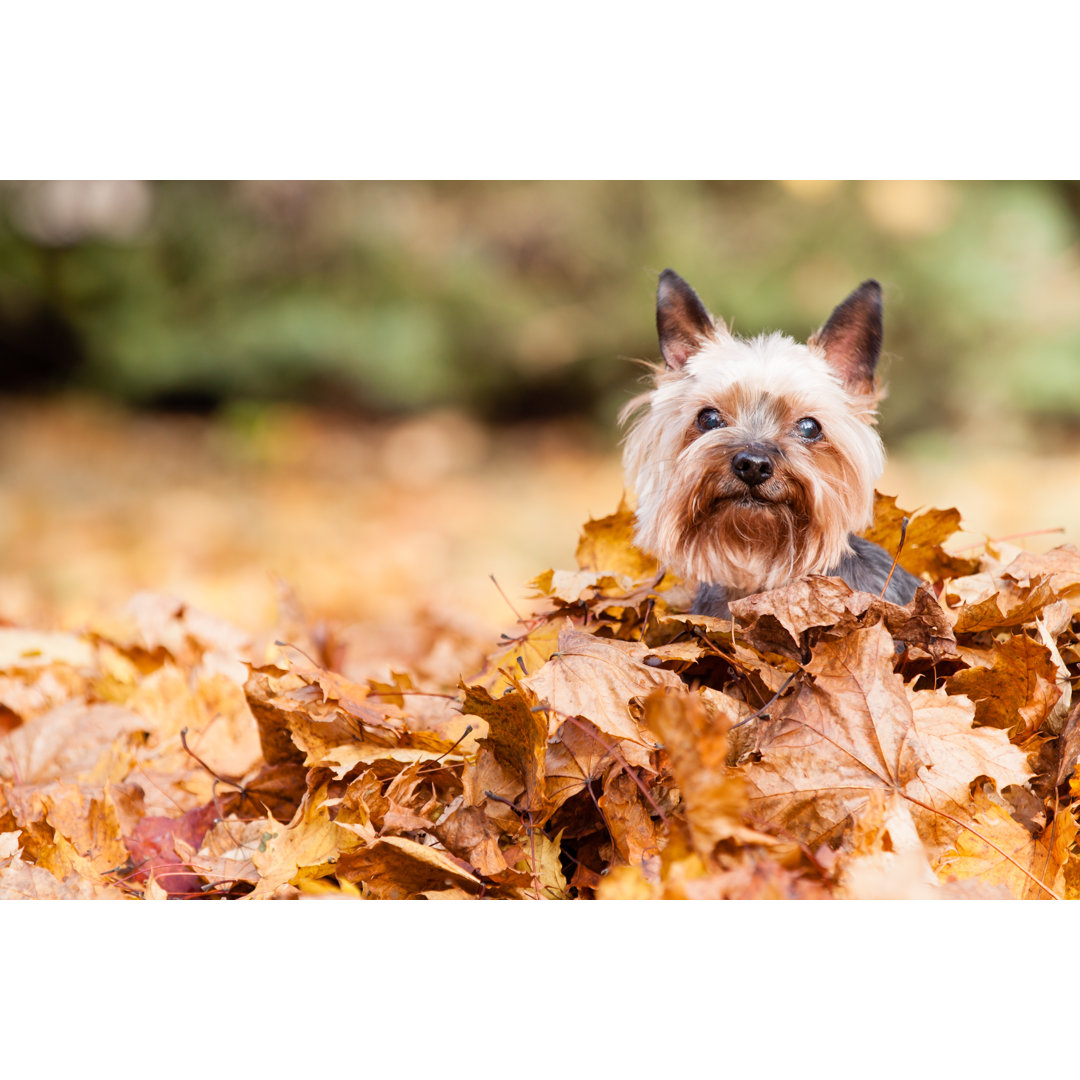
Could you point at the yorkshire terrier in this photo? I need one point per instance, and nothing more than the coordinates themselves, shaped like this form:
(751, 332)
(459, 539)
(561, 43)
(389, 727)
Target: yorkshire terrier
(754, 461)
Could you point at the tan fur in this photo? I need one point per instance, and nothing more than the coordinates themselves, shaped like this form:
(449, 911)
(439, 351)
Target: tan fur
(697, 517)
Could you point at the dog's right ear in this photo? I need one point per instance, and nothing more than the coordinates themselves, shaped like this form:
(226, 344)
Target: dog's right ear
(681, 320)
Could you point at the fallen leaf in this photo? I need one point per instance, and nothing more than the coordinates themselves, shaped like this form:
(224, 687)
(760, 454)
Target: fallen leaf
(67, 742)
(695, 741)
(597, 679)
(1014, 687)
(630, 822)
(607, 546)
(1004, 609)
(395, 868)
(517, 735)
(846, 733)
(309, 846)
(24, 881)
(153, 849)
(922, 553)
(996, 850)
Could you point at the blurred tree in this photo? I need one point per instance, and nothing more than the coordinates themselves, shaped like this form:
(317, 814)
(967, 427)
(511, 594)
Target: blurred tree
(520, 299)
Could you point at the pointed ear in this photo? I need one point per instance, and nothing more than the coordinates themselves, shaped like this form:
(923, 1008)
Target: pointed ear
(681, 320)
(851, 339)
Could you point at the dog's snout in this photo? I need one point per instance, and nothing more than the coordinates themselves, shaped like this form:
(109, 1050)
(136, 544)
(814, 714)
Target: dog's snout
(752, 466)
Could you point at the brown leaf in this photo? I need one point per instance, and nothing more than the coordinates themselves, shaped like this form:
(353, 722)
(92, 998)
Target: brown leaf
(89, 824)
(980, 853)
(944, 726)
(778, 621)
(922, 553)
(469, 833)
(297, 708)
(538, 856)
(1070, 746)
(308, 846)
(847, 732)
(227, 850)
(696, 744)
(577, 754)
(157, 621)
(574, 587)
(395, 868)
(629, 821)
(607, 546)
(516, 736)
(24, 881)
(958, 755)
(1014, 688)
(597, 679)
(1061, 565)
(1005, 608)
(67, 742)
(884, 857)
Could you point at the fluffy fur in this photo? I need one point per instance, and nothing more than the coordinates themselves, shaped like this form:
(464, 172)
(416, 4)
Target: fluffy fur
(735, 490)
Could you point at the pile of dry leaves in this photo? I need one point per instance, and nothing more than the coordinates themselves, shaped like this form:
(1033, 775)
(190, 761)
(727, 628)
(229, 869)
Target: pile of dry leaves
(824, 743)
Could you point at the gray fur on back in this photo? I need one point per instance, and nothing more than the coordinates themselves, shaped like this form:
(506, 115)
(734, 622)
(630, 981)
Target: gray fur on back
(865, 569)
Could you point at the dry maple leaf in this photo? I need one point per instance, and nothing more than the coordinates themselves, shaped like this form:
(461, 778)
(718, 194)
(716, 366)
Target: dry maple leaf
(575, 587)
(847, 732)
(780, 620)
(1060, 565)
(21, 880)
(226, 852)
(607, 546)
(1014, 686)
(959, 754)
(883, 857)
(526, 652)
(576, 755)
(1008, 606)
(537, 859)
(66, 743)
(90, 824)
(308, 846)
(630, 823)
(154, 851)
(856, 728)
(396, 868)
(695, 740)
(470, 834)
(597, 679)
(998, 850)
(922, 553)
(517, 736)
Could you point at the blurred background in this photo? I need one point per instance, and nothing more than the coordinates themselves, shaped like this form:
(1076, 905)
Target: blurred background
(382, 393)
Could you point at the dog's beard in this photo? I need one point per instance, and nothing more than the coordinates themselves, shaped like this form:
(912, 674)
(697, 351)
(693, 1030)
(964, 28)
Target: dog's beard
(710, 526)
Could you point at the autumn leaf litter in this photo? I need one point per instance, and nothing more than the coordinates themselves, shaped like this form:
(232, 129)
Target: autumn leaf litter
(821, 744)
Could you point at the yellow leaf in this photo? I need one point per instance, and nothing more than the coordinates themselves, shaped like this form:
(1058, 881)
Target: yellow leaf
(307, 847)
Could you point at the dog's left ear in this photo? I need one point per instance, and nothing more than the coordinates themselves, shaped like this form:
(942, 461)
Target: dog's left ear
(851, 339)
(682, 322)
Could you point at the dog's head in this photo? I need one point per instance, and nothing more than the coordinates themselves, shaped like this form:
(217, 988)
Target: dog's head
(752, 460)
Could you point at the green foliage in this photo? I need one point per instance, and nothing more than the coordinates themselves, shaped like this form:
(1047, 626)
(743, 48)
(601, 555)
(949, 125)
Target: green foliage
(511, 298)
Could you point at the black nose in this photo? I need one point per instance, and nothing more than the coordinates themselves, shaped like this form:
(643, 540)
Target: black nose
(752, 467)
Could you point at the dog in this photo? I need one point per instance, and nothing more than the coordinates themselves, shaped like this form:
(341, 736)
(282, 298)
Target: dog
(754, 460)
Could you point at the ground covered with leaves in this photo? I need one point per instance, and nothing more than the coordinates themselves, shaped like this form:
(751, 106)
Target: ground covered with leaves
(823, 743)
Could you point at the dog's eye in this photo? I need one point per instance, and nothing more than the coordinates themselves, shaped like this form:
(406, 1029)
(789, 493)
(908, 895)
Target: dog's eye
(708, 419)
(808, 428)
